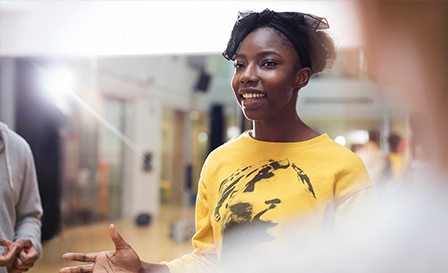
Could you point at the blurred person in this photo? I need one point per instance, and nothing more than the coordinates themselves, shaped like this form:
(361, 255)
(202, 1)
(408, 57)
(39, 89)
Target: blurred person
(253, 187)
(376, 161)
(20, 205)
(406, 49)
(421, 161)
(356, 147)
(397, 161)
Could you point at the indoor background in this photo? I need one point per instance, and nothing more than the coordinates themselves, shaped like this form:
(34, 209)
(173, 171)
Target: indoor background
(121, 102)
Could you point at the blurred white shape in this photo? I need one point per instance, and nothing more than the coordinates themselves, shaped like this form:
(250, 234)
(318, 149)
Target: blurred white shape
(62, 105)
(358, 137)
(203, 137)
(194, 115)
(233, 131)
(340, 140)
(58, 82)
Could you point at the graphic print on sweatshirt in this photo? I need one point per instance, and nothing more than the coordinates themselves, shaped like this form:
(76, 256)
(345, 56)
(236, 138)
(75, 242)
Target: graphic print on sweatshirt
(241, 204)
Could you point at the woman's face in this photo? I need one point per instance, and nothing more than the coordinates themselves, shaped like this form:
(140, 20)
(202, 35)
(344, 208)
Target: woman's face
(265, 82)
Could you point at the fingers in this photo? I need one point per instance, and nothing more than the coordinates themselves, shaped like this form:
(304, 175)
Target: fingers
(13, 269)
(19, 267)
(80, 257)
(9, 256)
(78, 269)
(28, 254)
(26, 258)
(25, 242)
(119, 242)
(4, 242)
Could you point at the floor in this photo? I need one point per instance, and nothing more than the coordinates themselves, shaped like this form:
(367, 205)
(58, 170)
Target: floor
(152, 242)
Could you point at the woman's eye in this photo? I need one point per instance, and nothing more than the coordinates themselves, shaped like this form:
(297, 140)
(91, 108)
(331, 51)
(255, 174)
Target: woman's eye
(238, 65)
(269, 63)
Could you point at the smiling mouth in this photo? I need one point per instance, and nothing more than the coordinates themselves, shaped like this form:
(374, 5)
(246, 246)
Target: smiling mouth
(253, 96)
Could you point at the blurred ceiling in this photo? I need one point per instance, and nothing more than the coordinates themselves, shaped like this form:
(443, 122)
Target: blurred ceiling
(109, 28)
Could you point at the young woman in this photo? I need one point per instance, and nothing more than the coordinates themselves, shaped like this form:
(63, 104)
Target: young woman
(252, 189)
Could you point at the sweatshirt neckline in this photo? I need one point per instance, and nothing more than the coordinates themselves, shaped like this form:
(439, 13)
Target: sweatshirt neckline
(307, 144)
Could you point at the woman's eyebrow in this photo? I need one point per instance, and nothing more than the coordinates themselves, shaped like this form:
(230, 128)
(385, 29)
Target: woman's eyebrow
(240, 55)
(268, 52)
(261, 53)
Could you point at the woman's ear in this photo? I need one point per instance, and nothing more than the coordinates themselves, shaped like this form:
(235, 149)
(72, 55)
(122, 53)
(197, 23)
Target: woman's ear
(302, 77)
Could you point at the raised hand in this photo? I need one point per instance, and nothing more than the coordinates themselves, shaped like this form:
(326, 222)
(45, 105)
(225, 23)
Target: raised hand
(123, 259)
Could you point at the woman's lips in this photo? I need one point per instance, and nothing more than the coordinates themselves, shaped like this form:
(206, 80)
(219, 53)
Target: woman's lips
(253, 96)
(252, 100)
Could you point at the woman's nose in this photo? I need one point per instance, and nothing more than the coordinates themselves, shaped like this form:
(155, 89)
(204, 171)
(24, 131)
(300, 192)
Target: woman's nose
(249, 74)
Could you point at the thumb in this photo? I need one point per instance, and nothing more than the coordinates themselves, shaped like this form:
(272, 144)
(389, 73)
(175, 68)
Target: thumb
(119, 242)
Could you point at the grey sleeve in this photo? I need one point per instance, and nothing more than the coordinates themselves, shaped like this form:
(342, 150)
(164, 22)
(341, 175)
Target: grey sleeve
(29, 207)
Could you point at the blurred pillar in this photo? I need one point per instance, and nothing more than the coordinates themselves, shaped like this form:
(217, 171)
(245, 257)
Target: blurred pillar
(188, 130)
(141, 187)
(39, 121)
(216, 126)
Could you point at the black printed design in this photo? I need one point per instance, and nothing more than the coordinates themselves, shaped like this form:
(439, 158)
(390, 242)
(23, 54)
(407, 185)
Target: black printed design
(237, 216)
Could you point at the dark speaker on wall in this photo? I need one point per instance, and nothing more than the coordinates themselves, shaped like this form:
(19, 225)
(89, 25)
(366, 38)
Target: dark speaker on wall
(143, 219)
(203, 82)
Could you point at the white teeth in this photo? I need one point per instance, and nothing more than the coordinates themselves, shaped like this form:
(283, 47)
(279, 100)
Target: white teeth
(253, 95)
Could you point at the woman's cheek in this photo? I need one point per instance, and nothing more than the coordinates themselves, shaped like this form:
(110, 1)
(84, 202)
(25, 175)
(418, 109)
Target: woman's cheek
(234, 85)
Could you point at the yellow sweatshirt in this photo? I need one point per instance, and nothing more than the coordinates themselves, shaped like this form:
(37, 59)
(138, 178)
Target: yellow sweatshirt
(252, 190)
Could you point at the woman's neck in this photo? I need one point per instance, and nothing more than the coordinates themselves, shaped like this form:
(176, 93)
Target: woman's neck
(287, 131)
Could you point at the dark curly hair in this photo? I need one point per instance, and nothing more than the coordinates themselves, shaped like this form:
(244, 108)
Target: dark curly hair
(305, 32)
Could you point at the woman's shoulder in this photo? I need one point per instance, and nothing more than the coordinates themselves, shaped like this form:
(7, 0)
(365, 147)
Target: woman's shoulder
(233, 143)
(338, 152)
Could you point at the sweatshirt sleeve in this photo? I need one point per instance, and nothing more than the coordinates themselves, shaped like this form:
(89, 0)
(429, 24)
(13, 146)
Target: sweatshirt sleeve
(353, 196)
(28, 207)
(204, 257)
